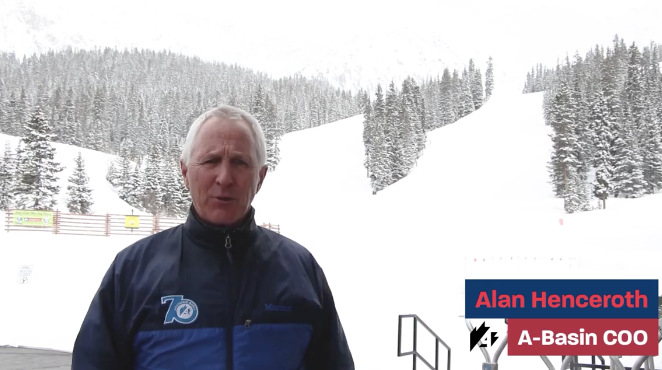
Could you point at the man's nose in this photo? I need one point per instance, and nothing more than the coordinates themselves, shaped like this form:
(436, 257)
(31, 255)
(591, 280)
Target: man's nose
(224, 174)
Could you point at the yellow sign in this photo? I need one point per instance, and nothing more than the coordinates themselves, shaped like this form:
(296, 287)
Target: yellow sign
(32, 218)
(131, 222)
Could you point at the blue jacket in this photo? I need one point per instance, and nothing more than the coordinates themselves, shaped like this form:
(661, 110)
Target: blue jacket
(195, 297)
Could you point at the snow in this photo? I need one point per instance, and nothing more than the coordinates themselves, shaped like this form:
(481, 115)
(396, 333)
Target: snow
(480, 191)
(96, 166)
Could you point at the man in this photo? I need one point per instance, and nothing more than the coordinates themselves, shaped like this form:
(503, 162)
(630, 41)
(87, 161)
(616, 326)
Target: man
(217, 292)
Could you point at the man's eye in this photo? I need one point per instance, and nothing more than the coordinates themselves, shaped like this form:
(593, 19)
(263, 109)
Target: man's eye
(239, 161)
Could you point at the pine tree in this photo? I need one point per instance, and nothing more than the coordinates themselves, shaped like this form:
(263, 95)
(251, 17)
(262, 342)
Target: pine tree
(368, 134)
(6, 178)
(152, 200)
(565, 166)
(628, 174)
(602, 141)
(380, 170)
(112, 176)
(395, 149)
(420, 126)
(69, 130)
(445, 106)
(409, 121)
(467, 98)
(652, 152)
(489, 79)
(37, 186)
(477, 88)
(79, 199)
(274, 134)
(132, 190)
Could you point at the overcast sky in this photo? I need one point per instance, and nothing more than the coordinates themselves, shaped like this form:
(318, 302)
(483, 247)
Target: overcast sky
(517, 33)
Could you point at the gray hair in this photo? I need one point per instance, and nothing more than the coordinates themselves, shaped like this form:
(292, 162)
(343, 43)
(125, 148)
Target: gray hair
(233, 114)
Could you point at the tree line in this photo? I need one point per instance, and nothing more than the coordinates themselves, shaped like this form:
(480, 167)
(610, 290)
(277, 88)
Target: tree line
(29, 174)
(139, 104)
(107, 99)
(605, 111)
(397, 121)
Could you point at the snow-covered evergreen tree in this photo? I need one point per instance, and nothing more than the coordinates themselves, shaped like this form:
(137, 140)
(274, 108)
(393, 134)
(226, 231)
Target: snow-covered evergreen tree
(79, 194)
(565, 166)
(6, 178)
(153, 191)
(112, 176)
(379, 164)
(652, 151)
(628, 173)
(37, 186)
(368, 133)
(489, 79)
(394, 138)
(602, 142)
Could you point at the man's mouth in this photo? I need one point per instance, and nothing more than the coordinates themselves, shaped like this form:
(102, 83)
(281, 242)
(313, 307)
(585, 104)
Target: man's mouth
(225, 199)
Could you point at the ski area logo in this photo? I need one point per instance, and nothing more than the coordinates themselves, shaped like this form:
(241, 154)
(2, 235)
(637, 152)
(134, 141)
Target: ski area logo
(183, 311)
(478, 333)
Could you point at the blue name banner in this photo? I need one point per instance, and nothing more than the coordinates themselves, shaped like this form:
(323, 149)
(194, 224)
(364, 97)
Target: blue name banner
(561, 299)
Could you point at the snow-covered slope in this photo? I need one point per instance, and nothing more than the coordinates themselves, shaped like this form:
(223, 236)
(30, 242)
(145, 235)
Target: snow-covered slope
(104, 196)
(479, 191)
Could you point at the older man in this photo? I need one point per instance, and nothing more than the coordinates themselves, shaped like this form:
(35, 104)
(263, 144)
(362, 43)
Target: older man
(217, 292)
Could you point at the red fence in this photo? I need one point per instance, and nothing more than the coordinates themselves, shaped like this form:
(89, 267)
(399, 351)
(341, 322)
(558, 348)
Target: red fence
(56, 222)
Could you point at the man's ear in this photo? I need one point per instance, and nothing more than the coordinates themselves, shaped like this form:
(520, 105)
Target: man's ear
(263, 174)
(184, 173)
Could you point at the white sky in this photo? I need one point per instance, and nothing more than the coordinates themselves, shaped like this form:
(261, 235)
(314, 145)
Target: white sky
(265, 34)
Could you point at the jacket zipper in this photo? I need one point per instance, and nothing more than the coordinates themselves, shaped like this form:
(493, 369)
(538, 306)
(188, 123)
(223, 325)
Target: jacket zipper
(230, 309)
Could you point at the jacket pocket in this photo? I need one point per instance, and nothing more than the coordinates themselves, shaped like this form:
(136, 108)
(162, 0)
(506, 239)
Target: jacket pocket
(271, 346)
(177, 349)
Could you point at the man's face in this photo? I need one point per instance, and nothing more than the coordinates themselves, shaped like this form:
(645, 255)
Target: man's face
(223, 174)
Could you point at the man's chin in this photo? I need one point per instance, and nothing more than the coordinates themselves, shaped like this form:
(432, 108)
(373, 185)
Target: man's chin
(223, 217)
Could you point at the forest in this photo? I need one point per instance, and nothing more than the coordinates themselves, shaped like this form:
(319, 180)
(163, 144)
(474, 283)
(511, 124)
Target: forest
(138, 104)
(397, 121)
(605, 110)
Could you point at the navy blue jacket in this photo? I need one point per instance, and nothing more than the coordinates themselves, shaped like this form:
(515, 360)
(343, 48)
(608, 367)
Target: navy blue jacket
(195, 297)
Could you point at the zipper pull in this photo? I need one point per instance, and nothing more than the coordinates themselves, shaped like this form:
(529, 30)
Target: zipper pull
(247, 323)
(228, 245)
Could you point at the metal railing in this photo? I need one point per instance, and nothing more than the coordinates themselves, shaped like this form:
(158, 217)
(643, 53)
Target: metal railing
(572, 362)
(414, 353)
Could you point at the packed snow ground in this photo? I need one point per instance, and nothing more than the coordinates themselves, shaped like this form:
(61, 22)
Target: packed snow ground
(479, 191)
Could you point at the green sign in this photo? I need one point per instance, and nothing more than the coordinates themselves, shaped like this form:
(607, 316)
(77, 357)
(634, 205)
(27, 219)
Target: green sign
(33, 218)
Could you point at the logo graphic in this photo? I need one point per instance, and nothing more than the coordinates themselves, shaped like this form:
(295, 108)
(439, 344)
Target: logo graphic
(478, 333)
(183, 311)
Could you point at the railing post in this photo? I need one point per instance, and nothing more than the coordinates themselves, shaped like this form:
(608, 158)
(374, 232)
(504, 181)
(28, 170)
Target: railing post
(436, 354)
(8, 218)
(449, 360)
(107, 224)
(155, 224)
(399, 335)
(415, 336)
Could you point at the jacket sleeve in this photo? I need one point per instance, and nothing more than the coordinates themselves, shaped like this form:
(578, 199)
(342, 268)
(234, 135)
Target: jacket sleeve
(329, 349)
(100, 344)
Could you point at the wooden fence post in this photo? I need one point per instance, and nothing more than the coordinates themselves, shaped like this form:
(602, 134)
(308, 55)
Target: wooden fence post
(56, 222)
(155, 224)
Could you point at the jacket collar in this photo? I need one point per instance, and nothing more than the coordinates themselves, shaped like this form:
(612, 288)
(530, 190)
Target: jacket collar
(210, 235)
